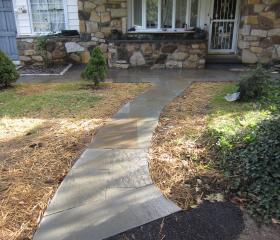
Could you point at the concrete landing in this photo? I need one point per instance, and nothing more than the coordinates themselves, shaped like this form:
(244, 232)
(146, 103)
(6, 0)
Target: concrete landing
(109, 189)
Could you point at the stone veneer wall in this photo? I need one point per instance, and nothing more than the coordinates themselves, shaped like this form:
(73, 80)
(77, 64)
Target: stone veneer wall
(259, 36)
(189, 54)
(157, 54)
(99, 17)
(60, 50)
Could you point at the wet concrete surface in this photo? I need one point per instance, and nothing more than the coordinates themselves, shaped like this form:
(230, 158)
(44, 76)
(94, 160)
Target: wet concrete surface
(109, 190)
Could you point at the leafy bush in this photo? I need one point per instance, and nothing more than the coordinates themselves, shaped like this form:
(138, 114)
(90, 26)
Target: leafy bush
(41, 47)
(96, 68)
(255, 171)
(253, 85)
(8, 72)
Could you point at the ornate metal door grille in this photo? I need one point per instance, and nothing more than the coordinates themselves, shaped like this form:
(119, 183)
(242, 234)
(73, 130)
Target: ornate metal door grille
(223, 24)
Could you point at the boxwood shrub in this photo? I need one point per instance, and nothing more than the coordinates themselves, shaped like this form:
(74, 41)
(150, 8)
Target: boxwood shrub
(8, 72)
(254, 84)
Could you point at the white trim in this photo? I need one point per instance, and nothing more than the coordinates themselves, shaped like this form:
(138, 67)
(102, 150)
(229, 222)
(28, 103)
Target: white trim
(174, 14)
(188, 14)
(49, 74)
(199, 12)
(132, 13)
(65, 8)
(168, 30)
(144, 17)
(236, 27)
(30, 17)
(159, 14)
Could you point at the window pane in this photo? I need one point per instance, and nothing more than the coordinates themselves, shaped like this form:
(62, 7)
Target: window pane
(181, 10)
(166, 13)
(47, 15)
(137, 12)
(152, 13)
(194, 13)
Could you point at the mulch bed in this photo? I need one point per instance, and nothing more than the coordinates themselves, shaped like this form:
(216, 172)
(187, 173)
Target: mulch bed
(55, 69)
(38, 149)
(210, 221)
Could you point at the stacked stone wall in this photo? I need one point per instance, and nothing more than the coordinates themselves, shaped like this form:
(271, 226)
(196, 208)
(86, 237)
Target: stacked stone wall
(157, 54)
(59, 50)
(99, 17)
(259, 35)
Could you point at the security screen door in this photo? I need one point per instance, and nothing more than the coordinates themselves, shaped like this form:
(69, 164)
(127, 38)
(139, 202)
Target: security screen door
(223, 27)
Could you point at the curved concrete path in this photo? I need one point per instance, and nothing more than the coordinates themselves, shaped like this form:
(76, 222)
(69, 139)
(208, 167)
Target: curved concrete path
(109, 189)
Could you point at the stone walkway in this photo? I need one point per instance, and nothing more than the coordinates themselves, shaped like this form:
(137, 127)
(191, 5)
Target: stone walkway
(109, 189)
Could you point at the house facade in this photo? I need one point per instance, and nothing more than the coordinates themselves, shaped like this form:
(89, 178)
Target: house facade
(152, 33)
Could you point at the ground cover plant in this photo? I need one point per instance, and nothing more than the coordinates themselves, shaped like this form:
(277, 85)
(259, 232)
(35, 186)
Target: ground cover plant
(8, 72)
(208, 149)
(43, 130)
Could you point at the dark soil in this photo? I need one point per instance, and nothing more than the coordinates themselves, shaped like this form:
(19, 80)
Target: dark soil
(55, 69)
(210, 221)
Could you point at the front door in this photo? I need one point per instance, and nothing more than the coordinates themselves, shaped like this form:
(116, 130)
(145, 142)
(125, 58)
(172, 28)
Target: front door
(8, 30)
(223, 26)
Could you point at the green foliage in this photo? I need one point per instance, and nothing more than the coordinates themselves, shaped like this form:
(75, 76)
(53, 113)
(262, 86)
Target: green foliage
(96, 68)
(41, 47)
(255, 171)
(253, 85)
(8, 72)
(245, 138)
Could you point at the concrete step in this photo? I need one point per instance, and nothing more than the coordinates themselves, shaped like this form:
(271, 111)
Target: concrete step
(230, 58)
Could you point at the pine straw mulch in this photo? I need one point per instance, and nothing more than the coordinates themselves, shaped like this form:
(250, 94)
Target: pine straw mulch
(36, 154)
(180, 164)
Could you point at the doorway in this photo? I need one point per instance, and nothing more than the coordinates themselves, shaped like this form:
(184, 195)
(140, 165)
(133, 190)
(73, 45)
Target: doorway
(224, 23)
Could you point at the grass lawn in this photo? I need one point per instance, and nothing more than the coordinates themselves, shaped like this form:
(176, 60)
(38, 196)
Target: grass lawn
(196, 132)
(43, 130)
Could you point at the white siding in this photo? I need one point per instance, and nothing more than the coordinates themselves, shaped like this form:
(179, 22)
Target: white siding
(204, 13)
(72, 14)
(23, 20)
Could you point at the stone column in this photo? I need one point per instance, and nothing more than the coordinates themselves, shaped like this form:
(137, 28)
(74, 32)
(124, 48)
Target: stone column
(259, 35)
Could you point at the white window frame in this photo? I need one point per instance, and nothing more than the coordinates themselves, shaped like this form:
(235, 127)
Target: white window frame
(45, 33)
(143, 28)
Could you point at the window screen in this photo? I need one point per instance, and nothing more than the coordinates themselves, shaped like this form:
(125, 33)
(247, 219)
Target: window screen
(47, 15)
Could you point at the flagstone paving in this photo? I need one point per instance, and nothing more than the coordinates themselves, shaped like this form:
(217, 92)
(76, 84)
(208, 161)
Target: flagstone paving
(109, 189)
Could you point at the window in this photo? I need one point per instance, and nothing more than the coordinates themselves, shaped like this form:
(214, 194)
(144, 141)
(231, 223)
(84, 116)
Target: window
(137, 12)
(47, 15)
(164, 14)
(152, 13)
(181, 14)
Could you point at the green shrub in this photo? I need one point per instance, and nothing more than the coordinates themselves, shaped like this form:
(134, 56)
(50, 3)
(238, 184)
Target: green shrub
(255, 171)
(41, 47)
(253, 85)
(8, 72)
(96, 68)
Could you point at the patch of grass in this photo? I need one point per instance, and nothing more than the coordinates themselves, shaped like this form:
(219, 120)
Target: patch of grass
(230, 118)
(55, 101)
